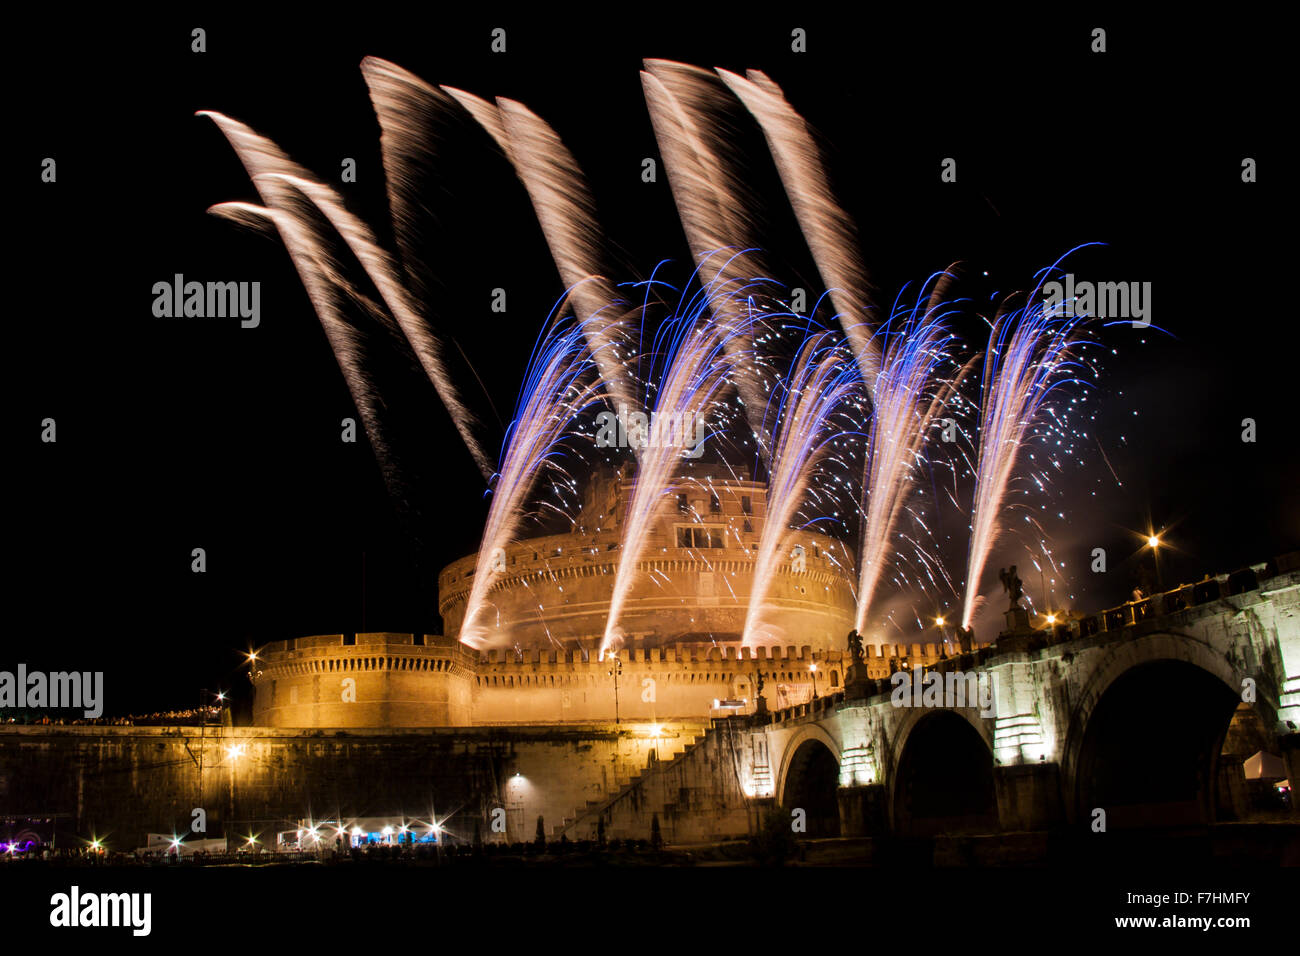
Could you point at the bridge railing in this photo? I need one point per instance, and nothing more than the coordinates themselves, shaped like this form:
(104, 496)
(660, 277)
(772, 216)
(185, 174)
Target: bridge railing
(1172, 601)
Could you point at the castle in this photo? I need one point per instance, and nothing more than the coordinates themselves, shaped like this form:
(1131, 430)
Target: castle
(682, 659)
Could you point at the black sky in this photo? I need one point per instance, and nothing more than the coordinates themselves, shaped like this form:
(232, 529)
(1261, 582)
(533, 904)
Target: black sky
(175, 434)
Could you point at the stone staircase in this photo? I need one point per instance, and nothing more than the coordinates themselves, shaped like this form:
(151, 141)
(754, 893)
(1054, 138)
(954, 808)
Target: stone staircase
(582, 825)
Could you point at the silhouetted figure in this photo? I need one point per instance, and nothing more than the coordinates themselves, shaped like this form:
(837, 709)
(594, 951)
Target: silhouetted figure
(966, 639)
(1011, 584)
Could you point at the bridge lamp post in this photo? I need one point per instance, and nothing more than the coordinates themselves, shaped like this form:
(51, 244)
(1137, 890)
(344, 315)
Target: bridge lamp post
(812, 669)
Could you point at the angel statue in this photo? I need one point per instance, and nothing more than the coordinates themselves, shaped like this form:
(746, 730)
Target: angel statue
(1011, 584)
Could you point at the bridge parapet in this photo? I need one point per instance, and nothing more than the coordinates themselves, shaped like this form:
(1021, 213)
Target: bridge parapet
(1242, 628)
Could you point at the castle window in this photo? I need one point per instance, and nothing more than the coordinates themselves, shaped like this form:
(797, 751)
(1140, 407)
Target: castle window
(746, 505)
(715, 506)
(682, 505)
(748, 528)
(701, 536)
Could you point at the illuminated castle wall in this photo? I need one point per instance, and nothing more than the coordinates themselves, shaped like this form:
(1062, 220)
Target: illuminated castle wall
(387, 680)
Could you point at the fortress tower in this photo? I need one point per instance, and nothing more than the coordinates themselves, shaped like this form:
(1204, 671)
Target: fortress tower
(692, 587)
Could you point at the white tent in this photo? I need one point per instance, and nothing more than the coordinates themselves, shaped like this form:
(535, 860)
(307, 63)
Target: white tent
(1264, 766)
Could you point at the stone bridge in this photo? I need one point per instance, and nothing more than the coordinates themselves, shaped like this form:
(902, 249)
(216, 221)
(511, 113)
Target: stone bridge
(1146, 712)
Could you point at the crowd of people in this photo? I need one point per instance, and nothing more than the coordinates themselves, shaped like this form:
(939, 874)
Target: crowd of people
(191, 716)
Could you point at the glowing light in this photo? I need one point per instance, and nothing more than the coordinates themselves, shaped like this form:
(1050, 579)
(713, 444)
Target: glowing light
(1153, 542)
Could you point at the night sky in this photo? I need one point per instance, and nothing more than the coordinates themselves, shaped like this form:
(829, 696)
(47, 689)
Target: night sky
(183, 433)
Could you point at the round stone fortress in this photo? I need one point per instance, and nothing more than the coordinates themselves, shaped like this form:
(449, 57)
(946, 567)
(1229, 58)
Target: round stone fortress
(682, 656)
(692, 586)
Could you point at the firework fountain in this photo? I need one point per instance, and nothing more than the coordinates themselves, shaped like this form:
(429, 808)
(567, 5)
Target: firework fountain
(689, 110)
(278, 179)
(822, 382)
(1031, 354)
(698, 358)
(909, 395)
(828, 229)
(330, 294)
(565, 210)
(560, 385)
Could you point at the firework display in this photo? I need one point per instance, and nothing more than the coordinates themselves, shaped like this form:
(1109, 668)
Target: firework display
(721, 347)
(553, 452)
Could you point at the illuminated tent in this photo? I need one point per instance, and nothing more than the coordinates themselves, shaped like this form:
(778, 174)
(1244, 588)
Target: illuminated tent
(1264, 766)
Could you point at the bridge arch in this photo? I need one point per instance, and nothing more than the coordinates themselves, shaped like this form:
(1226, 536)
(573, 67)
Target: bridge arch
(1144, 738)
(942, 774)
(809, 779)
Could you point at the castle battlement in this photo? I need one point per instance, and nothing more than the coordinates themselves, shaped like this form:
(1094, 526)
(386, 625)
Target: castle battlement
(389, 679)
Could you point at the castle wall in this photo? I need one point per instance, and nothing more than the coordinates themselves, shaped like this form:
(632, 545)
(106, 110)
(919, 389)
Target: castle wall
(654, 683)
(121, 783)
(378, 680)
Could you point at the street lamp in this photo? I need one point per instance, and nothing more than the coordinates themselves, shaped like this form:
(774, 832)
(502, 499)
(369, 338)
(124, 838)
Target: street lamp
(615, 670)
(939, 621)
(1154, 543)
(812, 669)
